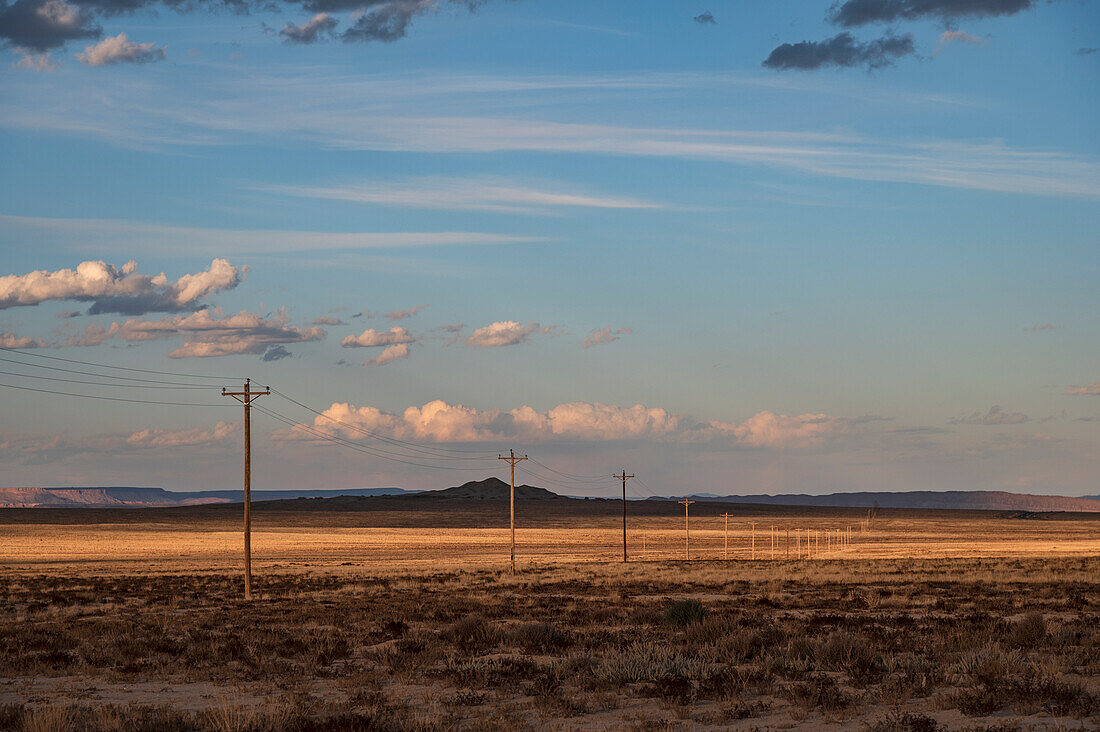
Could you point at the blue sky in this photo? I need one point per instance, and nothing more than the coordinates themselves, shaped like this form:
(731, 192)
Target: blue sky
(879, 273)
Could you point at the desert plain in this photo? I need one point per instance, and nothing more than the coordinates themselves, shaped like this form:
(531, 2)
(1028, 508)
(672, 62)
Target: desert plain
(403, 614)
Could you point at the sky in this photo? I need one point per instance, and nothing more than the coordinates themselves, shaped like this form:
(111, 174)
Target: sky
(731, 247)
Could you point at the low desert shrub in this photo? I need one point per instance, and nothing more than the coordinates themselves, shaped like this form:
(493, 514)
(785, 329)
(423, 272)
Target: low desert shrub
(685, 612)
(1029, 631)
(472, 633)
(538, 638)
(646, 661)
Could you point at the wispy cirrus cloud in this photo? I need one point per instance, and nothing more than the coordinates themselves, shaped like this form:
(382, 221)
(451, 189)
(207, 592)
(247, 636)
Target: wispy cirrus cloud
(447, 115)
(462, 194)
(601, 336)
(122, 235)
(1092, 389)
(955, 36)
(404, 314)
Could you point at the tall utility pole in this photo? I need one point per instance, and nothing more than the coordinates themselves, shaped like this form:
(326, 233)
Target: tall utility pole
(726, 547)
(624, 477)
(246, 398)
(687, 531)
(513, 459)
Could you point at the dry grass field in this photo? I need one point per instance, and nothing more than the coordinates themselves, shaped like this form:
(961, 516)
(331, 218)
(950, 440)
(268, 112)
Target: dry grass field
(396, 616)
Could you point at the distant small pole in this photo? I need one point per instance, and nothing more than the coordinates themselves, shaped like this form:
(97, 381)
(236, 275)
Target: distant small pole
(624, 477)
(773, 542)
(788, 542)
(687, 531)
(512, 459)
(726, 547)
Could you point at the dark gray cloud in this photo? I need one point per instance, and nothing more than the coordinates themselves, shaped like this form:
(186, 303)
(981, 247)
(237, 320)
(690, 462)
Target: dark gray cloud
(842, 50)
(386, 22)
(319, 26)
(994, 417)
(1087, 51)
(705, 18)
(274, 353)
(861, 12)
(40, 25)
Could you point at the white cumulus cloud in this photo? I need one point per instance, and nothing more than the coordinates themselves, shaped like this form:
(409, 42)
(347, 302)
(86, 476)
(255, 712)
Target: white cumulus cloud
(11, 340)
(371, 338)
(206, 333)
(119, 290)
(390, 353)
(504, 333)
(120, 50)
(438, 421)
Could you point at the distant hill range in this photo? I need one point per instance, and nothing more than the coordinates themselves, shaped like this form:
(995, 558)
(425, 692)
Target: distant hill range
(496, 489)
(958, 500)
(128, 497)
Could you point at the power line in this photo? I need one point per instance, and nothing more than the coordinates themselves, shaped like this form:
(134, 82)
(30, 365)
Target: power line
(23, 352)
(93, 383)
(110, 398)
(101, 376)
(572, 476)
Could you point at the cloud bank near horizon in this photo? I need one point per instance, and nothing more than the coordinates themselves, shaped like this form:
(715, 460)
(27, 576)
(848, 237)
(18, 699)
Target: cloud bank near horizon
(440, 422)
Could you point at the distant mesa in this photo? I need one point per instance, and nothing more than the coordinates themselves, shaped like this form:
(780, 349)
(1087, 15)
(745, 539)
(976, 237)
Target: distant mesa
(949, 500)
(131, 497)
(492, 489)
(495, 489)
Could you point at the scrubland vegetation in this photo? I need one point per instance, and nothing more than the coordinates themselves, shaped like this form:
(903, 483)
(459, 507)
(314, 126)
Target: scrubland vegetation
(990, 644)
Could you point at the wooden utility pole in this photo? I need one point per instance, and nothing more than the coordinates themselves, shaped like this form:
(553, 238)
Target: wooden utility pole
(753, 540)
(512, 459)
(624, 477)
(726, 548)
(687, 531)
(246, 398)
(788, 542)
